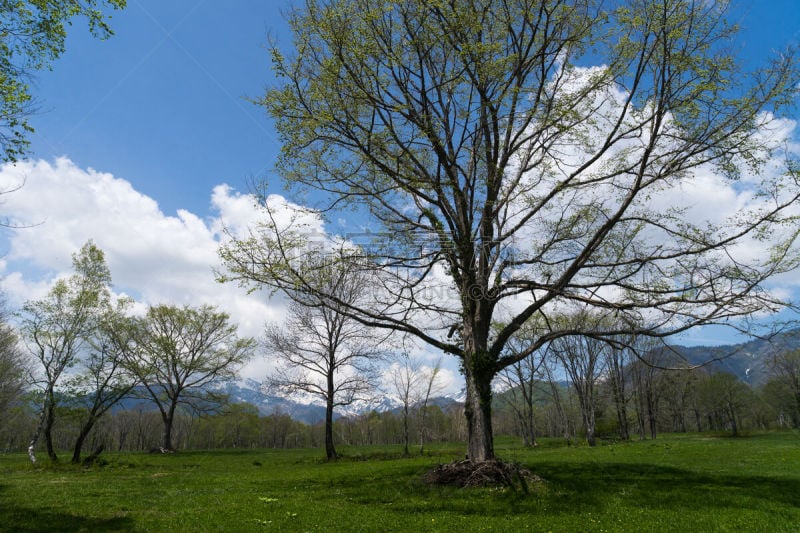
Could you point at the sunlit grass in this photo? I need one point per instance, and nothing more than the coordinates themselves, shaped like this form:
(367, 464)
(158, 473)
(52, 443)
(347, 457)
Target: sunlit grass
(677, 483)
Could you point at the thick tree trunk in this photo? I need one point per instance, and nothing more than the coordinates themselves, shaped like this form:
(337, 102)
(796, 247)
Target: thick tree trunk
(330, 451)
(478, 410)
(168, 418)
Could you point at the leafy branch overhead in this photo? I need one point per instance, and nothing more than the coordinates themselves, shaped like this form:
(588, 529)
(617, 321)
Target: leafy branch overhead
(32, 36)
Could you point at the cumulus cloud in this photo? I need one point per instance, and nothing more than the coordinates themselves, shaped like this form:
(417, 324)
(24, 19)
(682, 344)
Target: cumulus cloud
(155, 257)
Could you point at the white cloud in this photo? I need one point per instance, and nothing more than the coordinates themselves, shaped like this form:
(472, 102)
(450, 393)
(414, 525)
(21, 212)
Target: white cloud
(155, 257)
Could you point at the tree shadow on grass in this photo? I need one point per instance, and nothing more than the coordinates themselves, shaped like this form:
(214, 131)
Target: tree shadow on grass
(19, 519)
(662, 486)
(593, 487)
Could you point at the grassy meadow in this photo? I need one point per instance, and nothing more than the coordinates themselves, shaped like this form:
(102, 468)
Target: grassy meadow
(674, 483)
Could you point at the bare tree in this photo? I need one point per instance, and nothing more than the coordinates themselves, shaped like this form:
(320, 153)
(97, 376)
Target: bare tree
(321, 351)
(524, 379)
(57, 328)
(179, 352)
(583, 360)
(617, 364)
(508, 180)
(429, 378)
(404, 377)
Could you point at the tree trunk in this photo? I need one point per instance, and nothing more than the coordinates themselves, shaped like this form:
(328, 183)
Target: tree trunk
(76, 453)
(39, 428)
(330, 451)
(734, 426)
(478, 410)
(49, 421)
(589, 423)
(529, 422)
(169, 418)
(651, 415)
(405, 430)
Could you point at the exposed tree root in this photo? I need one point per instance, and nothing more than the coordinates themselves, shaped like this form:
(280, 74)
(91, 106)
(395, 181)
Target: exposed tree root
(482, 474)
(161, 449)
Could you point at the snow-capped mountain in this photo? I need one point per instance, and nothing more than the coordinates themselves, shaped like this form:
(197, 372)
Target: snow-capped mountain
(311, 410)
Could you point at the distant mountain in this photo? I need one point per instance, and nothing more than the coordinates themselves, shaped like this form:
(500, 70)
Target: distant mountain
(748, 361)
(309, 409)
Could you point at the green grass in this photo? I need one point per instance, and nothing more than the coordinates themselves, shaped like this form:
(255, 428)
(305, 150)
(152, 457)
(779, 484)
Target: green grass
(675, 483)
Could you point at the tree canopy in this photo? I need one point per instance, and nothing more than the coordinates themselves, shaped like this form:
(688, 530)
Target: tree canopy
(178, 352)
(33, 35)
(522, 159)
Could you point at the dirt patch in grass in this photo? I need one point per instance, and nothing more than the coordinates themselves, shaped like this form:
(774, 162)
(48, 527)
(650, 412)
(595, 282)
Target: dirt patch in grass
(482, 474)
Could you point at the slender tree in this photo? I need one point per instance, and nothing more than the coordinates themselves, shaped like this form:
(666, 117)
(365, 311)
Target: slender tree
(14, 371)
(57, 328)
(785, 368)
(179, 351)
(322, 352)
(523, 379)
(507, 180)
(616, 364)
(430, 379)
(103, 379)
(404, 376)
(583, 360)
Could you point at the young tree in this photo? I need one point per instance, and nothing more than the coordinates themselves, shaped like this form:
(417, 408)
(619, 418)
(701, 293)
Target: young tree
(321, 351)
(14, 371)
(786, 370)
(583, 360)
(616, 364)
(103, 379)
(57, 328)
(404, 377)
(32, 35)
(508, 180)
(180, 350)
(522, 379)
(430, 379)
(724, 397)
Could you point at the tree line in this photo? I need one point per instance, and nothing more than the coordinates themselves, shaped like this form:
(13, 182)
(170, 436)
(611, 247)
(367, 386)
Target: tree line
(83, 351)
(577, 389)
(512, 187)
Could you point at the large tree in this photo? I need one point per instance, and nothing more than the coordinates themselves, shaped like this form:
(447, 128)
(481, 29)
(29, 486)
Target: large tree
(57, 328)
(33, 35)
(508, 179)
(179, 353)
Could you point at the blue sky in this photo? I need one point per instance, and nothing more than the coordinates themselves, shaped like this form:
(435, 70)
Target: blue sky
(163, 103)
(136, 135)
